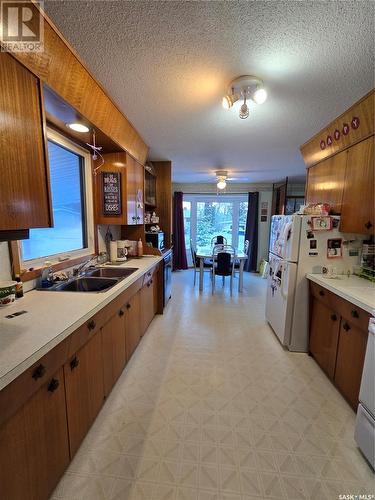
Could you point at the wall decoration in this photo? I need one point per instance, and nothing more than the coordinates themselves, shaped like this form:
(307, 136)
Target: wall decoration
(355, 122)
(263, 218)
(345, 129)
(111, 182)
(334, 248)
(336, 134)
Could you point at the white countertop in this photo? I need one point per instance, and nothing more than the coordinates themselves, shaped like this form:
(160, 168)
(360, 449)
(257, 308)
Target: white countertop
(50, 318)
(358, 291)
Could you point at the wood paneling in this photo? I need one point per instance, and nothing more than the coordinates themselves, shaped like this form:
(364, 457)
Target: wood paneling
(163, 171)
(34, 445)
(350, 358)
(324, 334)
(358, 208)
(364, 110)
(84, 390)
(24, 188)
(326, 182)
(132, 324)
(61, 69)
(114, 349)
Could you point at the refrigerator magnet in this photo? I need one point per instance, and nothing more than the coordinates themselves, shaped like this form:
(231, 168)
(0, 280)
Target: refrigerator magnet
(323, 223)
(334, 248)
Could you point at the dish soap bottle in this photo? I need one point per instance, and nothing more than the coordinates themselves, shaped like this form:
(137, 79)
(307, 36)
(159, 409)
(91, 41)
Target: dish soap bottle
(140, 248)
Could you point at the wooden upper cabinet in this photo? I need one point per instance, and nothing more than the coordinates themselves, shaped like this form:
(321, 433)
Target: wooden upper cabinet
(358, 199)
(131, 190)
(24, 188)
(325, 182)
(34, 449)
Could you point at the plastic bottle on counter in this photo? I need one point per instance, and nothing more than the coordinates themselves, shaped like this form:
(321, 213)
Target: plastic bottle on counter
(140, 248)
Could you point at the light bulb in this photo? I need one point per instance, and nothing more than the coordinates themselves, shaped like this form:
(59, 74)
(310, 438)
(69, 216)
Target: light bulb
(78, 127)
(244, 111)
(260, 95)
(226, 102)
(221, 184)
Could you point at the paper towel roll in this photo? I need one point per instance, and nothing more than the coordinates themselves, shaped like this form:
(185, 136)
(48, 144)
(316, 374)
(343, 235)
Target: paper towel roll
(113, 251)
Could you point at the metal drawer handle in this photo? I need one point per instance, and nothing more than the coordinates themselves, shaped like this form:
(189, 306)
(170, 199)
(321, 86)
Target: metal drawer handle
(91, 325)
(333, 317)
(346, 327)
(355, 313)
(39, 372)
(128, 306)
(321, 293)
(368, 225)
(74, 363)
(121, 313)
(53, 385)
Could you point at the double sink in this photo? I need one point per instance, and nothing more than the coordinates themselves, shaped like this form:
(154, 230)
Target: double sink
(98, 279)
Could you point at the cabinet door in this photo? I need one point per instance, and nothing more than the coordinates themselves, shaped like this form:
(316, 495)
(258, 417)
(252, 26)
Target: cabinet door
(358, 200)
(325, 183)
(350, 358)
(324, 334)
(114, 350)
(24, 186)
(132, 324)
(84, 389)
(34, 449)
(147, 305)
(139, 182)
(131, 191)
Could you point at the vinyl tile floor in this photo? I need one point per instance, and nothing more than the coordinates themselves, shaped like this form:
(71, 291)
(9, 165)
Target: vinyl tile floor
(211, 407)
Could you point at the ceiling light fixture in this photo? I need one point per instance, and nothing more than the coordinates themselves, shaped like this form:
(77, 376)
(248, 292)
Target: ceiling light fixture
(78, 127)
(221, 176)
(244, 87)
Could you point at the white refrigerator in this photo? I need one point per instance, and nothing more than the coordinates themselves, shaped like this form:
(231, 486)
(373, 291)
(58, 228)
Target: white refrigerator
(296, 249)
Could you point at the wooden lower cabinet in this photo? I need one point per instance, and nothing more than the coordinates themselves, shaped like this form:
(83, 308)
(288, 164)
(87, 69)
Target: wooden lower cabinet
(34, 449)
(148, 304)
(84, 389)
(350, 358)
(114, 349)
(133, 323)
(42, 425)
(338, 344)
(324, 334)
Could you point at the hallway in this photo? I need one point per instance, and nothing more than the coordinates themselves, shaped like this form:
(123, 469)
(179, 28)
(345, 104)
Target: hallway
(211, 407)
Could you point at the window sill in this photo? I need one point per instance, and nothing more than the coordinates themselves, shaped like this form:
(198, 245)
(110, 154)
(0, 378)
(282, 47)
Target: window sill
(58, 266)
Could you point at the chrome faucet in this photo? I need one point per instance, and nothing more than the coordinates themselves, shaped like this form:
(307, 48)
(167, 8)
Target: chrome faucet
(77, 271)
(46, 276)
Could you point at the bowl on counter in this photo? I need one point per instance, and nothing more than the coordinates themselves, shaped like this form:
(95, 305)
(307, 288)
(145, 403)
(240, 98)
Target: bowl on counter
(7, 292)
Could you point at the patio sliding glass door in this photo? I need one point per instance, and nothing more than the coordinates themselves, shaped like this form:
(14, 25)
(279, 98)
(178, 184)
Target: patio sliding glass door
(206, 216)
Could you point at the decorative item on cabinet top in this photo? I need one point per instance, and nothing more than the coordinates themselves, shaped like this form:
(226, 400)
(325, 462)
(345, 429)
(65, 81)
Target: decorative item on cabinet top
(353, 126)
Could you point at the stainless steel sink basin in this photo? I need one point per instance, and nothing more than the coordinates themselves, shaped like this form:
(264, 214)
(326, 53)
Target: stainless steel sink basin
(87, 284)
(110, 272)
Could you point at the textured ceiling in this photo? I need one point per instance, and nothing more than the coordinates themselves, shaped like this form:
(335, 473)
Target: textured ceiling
(167, 64)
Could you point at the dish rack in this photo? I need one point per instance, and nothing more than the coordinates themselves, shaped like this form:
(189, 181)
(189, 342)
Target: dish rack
(367, 269)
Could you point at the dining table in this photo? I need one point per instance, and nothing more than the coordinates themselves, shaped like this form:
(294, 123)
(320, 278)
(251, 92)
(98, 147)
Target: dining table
(206, 253)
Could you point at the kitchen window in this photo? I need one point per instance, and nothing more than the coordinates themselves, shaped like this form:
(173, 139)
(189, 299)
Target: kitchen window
(71, 193)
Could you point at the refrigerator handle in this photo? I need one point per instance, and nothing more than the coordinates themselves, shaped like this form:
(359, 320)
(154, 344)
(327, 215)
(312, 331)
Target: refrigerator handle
(282, 291)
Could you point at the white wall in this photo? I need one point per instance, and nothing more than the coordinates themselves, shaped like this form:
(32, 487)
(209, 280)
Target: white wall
(5, 273)
(265, 195)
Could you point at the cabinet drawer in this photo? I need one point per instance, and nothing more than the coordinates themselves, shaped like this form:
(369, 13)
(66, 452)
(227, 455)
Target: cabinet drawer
(85, 332)
(355, 315)
(321, 293)
(147, 277)
(15, 395)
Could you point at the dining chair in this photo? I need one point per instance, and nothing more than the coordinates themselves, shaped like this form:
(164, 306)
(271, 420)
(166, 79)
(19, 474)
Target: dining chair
(237, 262)
(223, 257)
(207, 263)
(218, 240)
